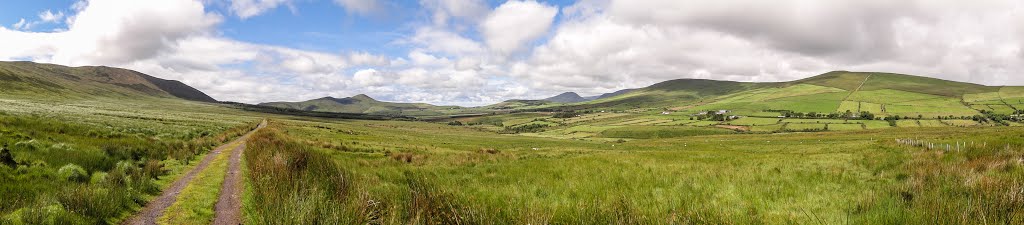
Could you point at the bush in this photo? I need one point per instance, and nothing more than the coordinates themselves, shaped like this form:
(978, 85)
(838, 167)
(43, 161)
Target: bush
(98, 178)
(72, 172)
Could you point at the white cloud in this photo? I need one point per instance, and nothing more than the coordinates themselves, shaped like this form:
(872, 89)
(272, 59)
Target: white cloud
(444, 10)
(50, 17)
(248, 8)
(369, 78)
(468, 55)
(608, 45)
(515, 23)
(364, 7)
(44, 17)
(438, 40)
(21, 24)
(367, 59)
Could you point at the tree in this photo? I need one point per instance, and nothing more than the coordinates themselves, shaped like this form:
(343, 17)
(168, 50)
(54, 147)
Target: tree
(867, 115)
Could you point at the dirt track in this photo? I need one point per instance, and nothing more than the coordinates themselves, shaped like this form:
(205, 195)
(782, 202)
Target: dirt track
(155, 209)
(229, 204)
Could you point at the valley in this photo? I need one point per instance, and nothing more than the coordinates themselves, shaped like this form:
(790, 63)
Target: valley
(836, 148)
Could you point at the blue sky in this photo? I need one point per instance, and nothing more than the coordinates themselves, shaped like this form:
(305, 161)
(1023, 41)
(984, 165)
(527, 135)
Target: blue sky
(477, 52)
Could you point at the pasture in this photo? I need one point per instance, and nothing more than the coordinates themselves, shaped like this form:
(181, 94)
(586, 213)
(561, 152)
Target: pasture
(410, 172)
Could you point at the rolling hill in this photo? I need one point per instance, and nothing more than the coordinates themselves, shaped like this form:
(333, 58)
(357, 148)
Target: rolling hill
(363, 104)
(568, 97)
(879, 93)
(89, 82)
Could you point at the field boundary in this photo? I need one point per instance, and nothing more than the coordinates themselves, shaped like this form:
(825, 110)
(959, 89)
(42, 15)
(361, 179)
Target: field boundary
(858, 88)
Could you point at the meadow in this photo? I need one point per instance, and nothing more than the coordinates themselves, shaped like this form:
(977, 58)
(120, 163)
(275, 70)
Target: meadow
(394, 172)
(96, 162)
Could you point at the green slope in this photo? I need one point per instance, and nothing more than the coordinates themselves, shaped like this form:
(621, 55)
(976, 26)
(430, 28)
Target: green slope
(838, 91)
(364, 104)
(51, 81)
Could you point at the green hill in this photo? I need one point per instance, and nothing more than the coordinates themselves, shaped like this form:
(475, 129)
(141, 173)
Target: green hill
(51, 81)
(879, 93)
(363, 104)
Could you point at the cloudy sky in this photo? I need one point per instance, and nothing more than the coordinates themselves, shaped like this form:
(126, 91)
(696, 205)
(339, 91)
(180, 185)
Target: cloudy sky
(474, 52)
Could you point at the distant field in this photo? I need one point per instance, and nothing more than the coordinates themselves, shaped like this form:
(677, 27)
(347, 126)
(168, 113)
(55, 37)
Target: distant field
(766, 128)
(961, 123)
(753, 121)
(889, 96)
(649, 132)
(930, 108)
(875, 124)
(703, 123)
(1002, 109)
(854, 106)
(932, 123)
(820, 121)
(804, 126)
(845, 127)
(907, 123)
(822, 102)
(677, 122)
(987, 96)
(1012, 92)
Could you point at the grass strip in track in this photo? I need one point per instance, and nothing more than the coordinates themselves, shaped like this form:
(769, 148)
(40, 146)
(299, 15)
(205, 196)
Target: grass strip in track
(196, 201)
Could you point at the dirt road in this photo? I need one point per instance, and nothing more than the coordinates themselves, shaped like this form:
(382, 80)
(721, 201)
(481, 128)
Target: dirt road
(229, 204)
(155, 209)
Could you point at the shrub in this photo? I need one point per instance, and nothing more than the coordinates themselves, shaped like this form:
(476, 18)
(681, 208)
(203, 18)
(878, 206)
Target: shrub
(98, 178)
(72, 172)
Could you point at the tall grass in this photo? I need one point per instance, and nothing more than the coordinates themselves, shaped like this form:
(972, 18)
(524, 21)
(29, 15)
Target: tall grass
(418, 173)
(70, 173)
(291, 184)
(982, 184)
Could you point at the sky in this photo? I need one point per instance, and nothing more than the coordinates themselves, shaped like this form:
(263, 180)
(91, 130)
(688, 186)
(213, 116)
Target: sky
(478, 52)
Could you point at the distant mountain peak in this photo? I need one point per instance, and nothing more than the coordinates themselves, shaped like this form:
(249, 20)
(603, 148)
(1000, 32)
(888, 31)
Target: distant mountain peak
(567, 97)
(363, 97)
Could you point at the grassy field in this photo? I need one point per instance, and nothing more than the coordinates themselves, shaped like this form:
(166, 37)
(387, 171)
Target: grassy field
(753, 121)
(837, 126)
(97, 161)
(408, 172)
(907, 123)
(88, 162)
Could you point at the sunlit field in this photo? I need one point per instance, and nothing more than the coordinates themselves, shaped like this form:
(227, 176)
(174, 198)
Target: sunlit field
(413, 172)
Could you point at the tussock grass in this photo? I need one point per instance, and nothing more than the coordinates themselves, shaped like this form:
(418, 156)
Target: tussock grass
(71, 171)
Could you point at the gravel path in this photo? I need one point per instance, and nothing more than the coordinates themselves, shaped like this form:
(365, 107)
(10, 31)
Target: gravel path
(155, 208)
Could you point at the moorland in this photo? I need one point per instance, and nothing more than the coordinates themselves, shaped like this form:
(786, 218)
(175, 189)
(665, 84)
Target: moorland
(99, 145)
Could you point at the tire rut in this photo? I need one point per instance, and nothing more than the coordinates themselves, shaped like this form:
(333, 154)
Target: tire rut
(155, 209)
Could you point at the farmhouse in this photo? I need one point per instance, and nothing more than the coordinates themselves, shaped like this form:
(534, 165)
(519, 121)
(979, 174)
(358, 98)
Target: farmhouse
(723, 111)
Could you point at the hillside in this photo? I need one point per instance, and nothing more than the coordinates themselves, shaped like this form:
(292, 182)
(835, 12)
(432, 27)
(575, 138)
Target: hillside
(839, 91)
(362, 104)
(568, 97)
(88, 82)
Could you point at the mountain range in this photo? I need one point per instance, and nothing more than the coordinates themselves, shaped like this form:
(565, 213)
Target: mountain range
(37, 79)
(837, 91)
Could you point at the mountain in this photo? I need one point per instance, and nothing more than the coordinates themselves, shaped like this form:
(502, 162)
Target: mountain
(613, 94)
(38, 79)
(362, 104)
(568, 97)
